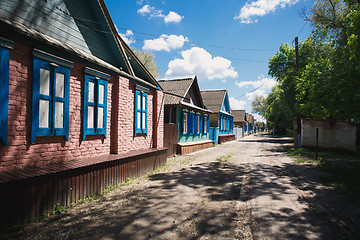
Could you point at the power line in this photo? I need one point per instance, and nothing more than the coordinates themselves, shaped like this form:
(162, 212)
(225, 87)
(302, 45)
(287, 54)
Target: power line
(250, 91)
(158, 36)
(302, 28)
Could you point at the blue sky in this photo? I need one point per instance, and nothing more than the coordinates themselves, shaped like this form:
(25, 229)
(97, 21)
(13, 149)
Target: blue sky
(226, 44)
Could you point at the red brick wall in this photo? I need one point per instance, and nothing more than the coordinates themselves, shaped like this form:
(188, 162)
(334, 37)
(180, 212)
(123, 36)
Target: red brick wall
(160, 119)
(20, 153)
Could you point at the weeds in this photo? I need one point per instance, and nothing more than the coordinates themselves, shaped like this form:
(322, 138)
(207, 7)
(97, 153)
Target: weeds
(223, 160)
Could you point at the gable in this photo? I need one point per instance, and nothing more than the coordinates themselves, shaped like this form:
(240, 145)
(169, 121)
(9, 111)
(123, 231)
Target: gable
(225, 107)
(79, 24)
(194, 95)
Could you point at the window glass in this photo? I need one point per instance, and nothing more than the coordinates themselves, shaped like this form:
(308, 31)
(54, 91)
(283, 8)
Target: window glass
(59, 114)
(101, 93)
(60, 85)
(100, 117)
(143, 103)
(91, 92)
(44, 81)
(138, 120)
(44, 110)
(139, 102)
(143, 120)
(90, 117)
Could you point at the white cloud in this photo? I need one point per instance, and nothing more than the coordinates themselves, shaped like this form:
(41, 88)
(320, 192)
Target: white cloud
(251, 95)
(197, 61)
(259, 118)
(237, 104)
(260, 8)
(147, 9)
(128, 37)
(165, 43)
(171, 17)
(263, 84)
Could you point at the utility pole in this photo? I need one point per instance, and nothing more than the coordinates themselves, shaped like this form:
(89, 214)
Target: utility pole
(298, 117)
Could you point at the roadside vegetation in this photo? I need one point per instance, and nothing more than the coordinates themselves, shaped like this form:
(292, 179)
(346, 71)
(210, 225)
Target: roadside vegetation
(343, 168)
(323, 82)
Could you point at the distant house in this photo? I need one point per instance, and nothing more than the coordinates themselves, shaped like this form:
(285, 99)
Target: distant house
(240, 120)
(78, 110)
(251, 123)
(185, 108)
(221, 117)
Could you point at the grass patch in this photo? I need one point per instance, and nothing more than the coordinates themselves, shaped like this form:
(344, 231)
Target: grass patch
(343, 167)
(223, 160)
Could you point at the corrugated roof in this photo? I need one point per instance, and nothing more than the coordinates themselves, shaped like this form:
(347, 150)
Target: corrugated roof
(239, 115)
(213, 99)
(178, 87)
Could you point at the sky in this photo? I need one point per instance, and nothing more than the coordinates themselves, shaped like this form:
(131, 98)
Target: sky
(226, 44)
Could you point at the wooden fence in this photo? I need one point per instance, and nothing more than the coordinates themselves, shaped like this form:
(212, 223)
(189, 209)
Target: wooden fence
(26, 194)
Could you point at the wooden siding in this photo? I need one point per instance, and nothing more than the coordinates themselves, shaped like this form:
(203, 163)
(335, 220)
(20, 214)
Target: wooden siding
(74, 23)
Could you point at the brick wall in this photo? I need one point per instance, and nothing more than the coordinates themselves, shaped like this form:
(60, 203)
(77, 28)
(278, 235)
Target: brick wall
(126, 119)
(20, 153)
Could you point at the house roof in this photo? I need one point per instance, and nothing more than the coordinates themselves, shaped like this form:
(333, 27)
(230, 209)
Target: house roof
(82, 30)
(239, 115)
(213, 99)
(179, 87)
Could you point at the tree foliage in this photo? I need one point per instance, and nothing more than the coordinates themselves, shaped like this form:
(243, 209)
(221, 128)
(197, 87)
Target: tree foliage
(148, 60)
(327, 84)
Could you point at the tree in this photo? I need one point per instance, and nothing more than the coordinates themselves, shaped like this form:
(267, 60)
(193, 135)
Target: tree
(259, 105)
(148, 60)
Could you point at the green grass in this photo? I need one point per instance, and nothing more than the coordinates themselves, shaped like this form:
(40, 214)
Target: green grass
(343, 168)
(223, 160)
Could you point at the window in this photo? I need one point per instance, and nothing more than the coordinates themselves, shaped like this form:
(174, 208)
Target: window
(50, 96)
(141, 95)
(4, 89)
(196, 124)
(185, 122)
(95, 103)
(191, 123)
(205, 125)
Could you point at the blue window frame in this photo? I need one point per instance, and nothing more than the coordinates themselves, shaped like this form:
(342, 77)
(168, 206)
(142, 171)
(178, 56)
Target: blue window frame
(196, 124)
(191, 123)
(4, 89)
(50, 96)
(95, 103)
(185, 122)
(141, 109)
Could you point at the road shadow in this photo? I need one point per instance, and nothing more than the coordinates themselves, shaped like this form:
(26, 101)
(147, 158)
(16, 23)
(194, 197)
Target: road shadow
(155, 210)
(326, 213)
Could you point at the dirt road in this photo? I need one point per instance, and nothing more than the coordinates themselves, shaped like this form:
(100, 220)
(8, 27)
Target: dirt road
(246, 189)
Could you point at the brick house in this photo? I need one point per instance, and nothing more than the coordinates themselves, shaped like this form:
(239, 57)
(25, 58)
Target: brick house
(185, 108)
(78, 110)
(221, 117)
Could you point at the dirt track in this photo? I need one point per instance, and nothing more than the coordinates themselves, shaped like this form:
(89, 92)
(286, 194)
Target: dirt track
(246, 189)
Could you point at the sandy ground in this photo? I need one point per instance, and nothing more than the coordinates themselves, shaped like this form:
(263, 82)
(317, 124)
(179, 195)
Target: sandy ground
(245, 189)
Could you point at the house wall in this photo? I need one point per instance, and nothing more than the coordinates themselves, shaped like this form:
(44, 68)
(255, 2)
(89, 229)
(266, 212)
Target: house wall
(228, 128)
(214, 120)
(54, 171)
(189, 137)
(19, 153)
(332, 134)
